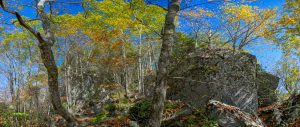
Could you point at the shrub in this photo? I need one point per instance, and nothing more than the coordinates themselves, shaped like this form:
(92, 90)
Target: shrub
(111, 108)
(20, 115)
(100, 117)
(140, 111)
(6, 115)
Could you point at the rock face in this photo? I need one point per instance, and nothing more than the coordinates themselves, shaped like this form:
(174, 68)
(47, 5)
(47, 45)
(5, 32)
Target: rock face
(267, 84)
(286, 114)
(216, 74)
(82, 80)
(291, 111)
(219, 74)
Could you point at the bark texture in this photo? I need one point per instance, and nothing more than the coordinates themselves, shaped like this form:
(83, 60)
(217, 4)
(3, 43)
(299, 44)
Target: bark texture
(162, 72)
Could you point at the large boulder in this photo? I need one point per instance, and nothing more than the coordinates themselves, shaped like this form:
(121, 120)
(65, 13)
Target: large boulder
(234, 79)
(267, 85)
(217, 74)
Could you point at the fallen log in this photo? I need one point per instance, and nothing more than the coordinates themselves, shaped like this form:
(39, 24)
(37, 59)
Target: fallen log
(231, 116)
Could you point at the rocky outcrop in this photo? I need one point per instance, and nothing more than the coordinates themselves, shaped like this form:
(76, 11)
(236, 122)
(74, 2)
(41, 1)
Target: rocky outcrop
(267, 85)
(219, 74)
(86, 86)
(291, 110)
(286, 114)
(216, 74)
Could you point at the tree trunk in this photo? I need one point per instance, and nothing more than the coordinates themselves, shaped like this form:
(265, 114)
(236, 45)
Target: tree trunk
(162, 72)
(49, 63)
(124, 75)
(140, 70)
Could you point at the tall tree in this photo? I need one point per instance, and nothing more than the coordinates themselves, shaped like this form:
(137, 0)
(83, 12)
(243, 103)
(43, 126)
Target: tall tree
(168, 38)
(244, 24)
(45, 44)
(289, 73)
(286, 33)
(198, 21)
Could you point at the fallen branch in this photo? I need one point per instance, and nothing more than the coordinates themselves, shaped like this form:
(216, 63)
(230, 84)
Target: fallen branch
(176, 115)
(235, 113)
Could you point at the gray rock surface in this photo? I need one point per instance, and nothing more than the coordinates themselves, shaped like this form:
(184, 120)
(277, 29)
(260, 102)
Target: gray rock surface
(216, 74)
(235, 79)
(290, 111)
(267, 85)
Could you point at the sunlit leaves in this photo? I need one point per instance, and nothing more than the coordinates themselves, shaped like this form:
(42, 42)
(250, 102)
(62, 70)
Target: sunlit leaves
(131, 15)
(289, 73)
(288, 26)
(244, 24)
(291, 18)
(250, 15)
(108, 26)
(197, 16)
(242, 12)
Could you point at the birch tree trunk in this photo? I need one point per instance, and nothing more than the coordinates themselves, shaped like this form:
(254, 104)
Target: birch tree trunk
(140, 70)
(163, 63)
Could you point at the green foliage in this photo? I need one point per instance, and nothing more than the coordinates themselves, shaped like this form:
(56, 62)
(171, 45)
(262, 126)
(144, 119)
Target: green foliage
(122, 103)
(211, 123)
(200, 118)
(184, 44)
(245, 24)
(100, 117)
(8, 116)
(288, 71)
(5, 115)
(20, 115)
(286, 31)
(169, 105)
(140, 111)
(111, 109)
